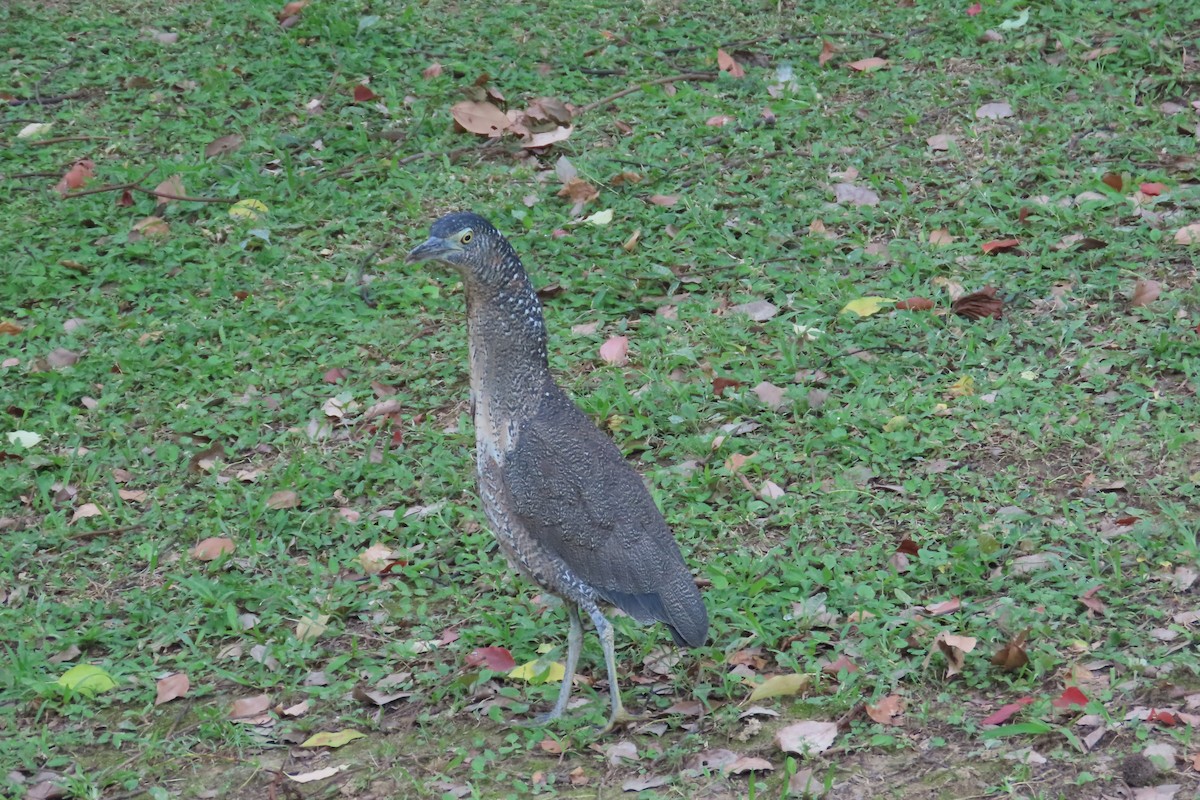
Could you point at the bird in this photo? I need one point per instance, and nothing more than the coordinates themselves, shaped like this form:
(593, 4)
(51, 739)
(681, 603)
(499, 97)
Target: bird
(568, 511)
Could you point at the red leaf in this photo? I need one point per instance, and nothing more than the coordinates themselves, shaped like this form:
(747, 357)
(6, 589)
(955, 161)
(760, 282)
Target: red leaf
(868, 64)
(336, 375)
(76, 176)
(1023, 215)
(1000, 244)
(974, 10)
(914, 304)
(827, 51)
(1091, 602)
(908, 547)
(1071, 697)
(1005, 712)
(126, 198)
(362, 94)
(1165, 718)
(726, 63)
(497, 659)
(721, 384)
(1153, 189)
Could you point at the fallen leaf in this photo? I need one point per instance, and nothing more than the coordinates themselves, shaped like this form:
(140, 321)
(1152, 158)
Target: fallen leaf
(664, 200)
(888, 710)
(212, 548)
(86, 679)
(1012, 657)
(363, 94)
(781, 686)
(496, 659)
(954, 648)
(866, 306)
(173, 186)
(311, 628)
(1188, 234)
(317, 774)
(941, 141)
(481, 118)
(163, 37)
(76, 177)
(1005, 712)
(974, 9)
(1071, 697)
(726, 63)
(770, 394)
(86, 510)
(132, 495)
(171, 687)
(151, 227)
(994, 111)
(940, 237)
(979, 305)
(547, 138)
(745, 764)
(868, 64)
(283, 499)
(248, 209)
(849, 193)
(946, 607)
(432, 71)
(719, 121)
(619, 752)
(998, 245)
(539, 672)
(615, 351)
(600, 218)
(644, 782)
(1152, 189)
(332, 738)
(914, 304)
(1145, 293)
(247, 707)
(770, 491)
(757, 310)
(806, 738)
(827, 52)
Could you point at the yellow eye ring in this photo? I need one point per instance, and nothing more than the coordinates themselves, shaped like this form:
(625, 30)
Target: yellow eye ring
(466, 237)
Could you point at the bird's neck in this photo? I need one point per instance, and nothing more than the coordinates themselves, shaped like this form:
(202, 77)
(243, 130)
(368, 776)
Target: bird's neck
(509, 368)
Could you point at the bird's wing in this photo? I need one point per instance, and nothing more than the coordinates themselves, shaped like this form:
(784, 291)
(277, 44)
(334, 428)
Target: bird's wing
(575, 494)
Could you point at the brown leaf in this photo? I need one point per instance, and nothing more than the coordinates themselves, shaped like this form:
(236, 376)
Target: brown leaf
(149, 228)
(250, 707)
(726, 63)
(842, 662)
(1093, 604)
(335, 375)
(757, 310)
(363, 94)
(954, 648)
(615, 351)
(223, 145)
(888, 710)
(664, 200)
(547, 138)
(848, 193)
(484, 119)
(770, 394)
(1188, 234)
(1012, 657)
(914, 304)
(75, 178)
(998, 245)
(86, 510)
(719, 121)
(994, 111)
(868, 64)
(940, 237)
(979, 305)
(132, 495)
(622, 178)
(212, 548)
(827, 51)
(432, 71)
(745, 764)
(550, 746)
(1145, 293)
(806, 738)
(1114, 181)
(291, 9)
(171, 687)
(172, 185)
(577, 190)
(283, 499)
(945, 607)
(61, 357)
(721, 384)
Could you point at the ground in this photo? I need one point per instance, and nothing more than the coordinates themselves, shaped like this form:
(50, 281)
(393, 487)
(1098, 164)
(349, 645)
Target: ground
(893, 305)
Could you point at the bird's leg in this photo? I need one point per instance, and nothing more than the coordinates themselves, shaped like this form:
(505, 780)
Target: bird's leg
(605, 631)
(574, 645)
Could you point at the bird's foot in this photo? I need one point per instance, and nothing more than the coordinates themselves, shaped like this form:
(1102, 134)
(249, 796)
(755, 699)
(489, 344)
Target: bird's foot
(539, 720)
(621, 717)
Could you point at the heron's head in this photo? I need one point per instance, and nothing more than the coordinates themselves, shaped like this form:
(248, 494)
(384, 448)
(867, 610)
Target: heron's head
(467, 242)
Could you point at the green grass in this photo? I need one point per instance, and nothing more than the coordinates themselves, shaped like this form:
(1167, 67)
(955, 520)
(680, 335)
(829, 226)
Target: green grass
(220, 336)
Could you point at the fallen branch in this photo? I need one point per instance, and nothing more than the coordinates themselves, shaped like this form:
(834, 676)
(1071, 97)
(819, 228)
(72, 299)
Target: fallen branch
(683, 76)
(135, 186)
(61, 139)
(49, 101)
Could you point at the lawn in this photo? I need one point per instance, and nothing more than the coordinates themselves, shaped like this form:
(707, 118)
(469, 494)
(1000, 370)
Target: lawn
(894, 306)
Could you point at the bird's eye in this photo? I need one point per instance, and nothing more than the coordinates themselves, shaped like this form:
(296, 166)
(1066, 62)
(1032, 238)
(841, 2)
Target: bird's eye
(466, 237)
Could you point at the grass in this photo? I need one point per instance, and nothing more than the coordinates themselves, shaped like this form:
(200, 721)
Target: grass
(1029, 458)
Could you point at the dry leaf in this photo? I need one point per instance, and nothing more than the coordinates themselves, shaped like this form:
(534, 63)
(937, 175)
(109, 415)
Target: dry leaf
(994, 111)
(998, 245)
(86, 510)
(250, 707)
(940, 237)
(757, 310)
(432, 71)
(941, 141)
(223, 145)
(1145, 293)
(770, 394)
(726, 63)
(1012, 657)
(719, 121)
(283, 499)
(827, 51)
(868, 64)
(171, 687)
(615, 351)
(577, 190)
(978, 305)
(484, 119)
(1188, 234)
(212, 548)
(664, 200)
(75, 178)
(806, 738)
(914, 304)
(888, 710)
(848, 193)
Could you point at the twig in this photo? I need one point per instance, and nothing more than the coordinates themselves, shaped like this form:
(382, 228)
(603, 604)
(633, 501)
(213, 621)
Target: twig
(108, 531)
(49, 101)
(110, 187)
(784, 37)
(50, 73)
(60, 139)
(184, 198)
(683, 76)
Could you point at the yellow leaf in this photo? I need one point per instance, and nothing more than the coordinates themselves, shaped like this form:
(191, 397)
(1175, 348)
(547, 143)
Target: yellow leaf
(963, 387)
(600, 217)
(544, 648)
(86, 679)
(309, 628)
(896, 424)
(866, 306)
(781, 685)
(332, 738)
(539, 672)
(248, 209)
